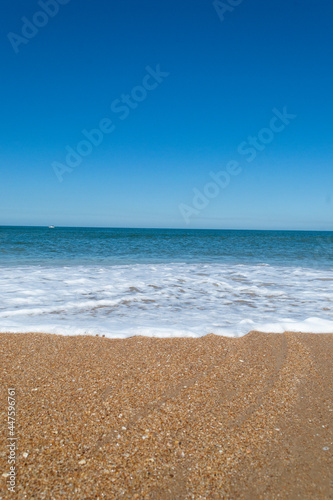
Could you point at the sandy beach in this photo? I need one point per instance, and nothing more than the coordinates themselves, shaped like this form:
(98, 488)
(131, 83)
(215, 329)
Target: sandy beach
(179, 418)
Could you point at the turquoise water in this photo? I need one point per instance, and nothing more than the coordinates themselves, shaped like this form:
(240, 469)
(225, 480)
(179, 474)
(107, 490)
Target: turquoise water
(164, 283)
(73, 246)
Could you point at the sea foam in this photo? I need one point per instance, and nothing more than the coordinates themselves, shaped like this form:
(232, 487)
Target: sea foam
(165, 300)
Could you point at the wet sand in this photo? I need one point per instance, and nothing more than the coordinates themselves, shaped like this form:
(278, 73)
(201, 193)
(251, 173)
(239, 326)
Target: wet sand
(169, 418)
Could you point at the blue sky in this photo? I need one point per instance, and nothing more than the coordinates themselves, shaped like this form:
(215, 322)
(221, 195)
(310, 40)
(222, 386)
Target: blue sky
(223, 73)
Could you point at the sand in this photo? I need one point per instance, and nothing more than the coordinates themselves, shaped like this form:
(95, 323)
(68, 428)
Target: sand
(169, 418)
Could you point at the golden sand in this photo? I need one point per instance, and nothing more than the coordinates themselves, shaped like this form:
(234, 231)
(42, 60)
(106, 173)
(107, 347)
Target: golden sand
(180, 418)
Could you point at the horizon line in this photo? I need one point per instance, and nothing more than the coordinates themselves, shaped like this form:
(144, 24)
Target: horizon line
(166, 228)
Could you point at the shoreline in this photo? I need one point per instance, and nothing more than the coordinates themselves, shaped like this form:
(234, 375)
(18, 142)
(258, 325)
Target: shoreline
(166, 337)
(146, 417)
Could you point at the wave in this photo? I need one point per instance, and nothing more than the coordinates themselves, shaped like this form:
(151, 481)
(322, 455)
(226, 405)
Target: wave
(165, 300)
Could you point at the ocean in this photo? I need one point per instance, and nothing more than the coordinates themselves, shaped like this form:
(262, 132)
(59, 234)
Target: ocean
(164, 282)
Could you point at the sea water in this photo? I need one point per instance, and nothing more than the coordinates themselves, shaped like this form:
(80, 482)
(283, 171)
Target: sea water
(164, 283)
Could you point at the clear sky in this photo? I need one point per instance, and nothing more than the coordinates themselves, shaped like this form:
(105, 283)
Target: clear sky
(178, 90)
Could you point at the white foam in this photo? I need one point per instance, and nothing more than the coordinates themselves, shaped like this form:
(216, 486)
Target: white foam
(165, 300)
